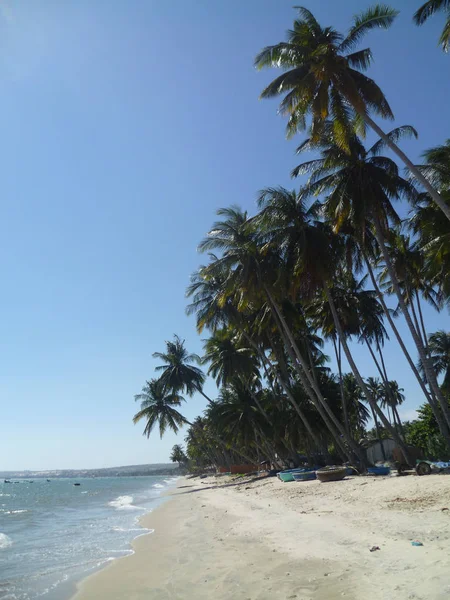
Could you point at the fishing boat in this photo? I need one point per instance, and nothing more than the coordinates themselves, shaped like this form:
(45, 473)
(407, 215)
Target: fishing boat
(305, 476)
(288, 474)
(379, 470)
(331, 473)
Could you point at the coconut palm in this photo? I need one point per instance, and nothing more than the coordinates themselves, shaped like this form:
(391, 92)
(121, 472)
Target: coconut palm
(323, 78)
(433, 240)
(360, 187)
(429, 9)
(377, 390)
(177, 455)
(312, 254)
(439, 348)
(254, 276)
(179, 372)
(158, 406)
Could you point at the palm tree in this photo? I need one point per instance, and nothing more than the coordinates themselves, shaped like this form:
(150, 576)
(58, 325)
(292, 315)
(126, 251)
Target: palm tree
(439, 347)
(214, 308)
(377, 391)
(253, 275)
(323, 78)
(178, 455)
(429, 9)
(179, 372)
(361, 186)
(312, 254)
(158, 407)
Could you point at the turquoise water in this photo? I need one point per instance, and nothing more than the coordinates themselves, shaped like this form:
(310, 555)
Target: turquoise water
(55, 533)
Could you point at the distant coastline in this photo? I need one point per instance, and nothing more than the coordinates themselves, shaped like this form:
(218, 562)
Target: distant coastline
(124, 471)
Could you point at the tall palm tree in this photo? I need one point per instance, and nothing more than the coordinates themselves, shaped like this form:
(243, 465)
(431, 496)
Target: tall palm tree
(377, 391)
(253, 277)
(158, 407)
(179, 372)
(177, 455)
(323, 77)
(439, 347)
(214, 308)
(361, 186)
(312, 254)
(429, 9)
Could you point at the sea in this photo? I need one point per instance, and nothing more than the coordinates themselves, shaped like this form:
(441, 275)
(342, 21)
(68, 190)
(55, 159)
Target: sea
(54, 533)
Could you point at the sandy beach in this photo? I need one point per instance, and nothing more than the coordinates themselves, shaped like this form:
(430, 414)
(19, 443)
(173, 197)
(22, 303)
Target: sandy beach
(262, 539)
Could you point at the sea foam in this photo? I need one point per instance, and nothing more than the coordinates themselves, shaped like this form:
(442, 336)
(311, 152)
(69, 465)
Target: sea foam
(124, 503)
(5, 541)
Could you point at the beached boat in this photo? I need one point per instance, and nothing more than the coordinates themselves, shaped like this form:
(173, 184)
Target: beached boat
(305, 476)
(379, 470)
(331, 473)
(288, 474)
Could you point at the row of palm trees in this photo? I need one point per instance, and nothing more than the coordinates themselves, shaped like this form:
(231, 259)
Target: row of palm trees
(321, 263)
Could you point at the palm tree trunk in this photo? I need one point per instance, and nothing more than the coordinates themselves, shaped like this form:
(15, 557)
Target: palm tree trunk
(310, 383)
(429, 395)
(357, 374)
(389, 391)
(416, 322)
(422, 323)
(259, 406)
(276, 376)
(414, 170)
(385, 380)
(309, 392)
(377, 429)
(427, 367)
(199, 389)
(341, 385)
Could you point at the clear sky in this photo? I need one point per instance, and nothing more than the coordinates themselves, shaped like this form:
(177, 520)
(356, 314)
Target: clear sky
(124, 125)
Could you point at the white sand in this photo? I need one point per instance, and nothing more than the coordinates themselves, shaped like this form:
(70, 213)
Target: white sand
(266, 540)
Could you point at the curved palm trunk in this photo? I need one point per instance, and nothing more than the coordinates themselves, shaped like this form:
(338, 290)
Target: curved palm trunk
(283, 381)
(397, 424)
(334, 433)
(443, 427)
(414, 170)
(377, 429)
(416, 323)
(258, 404)
(427, 367)
(385, 380)
(341, 386)
(199, 389)
(308, 383)
(422, 323)
(359, 379)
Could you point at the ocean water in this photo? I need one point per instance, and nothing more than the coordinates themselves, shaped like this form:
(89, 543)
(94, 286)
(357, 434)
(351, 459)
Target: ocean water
(53, 534)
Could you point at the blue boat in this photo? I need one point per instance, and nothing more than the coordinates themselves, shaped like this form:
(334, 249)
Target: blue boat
(379, 470)
(288, 474)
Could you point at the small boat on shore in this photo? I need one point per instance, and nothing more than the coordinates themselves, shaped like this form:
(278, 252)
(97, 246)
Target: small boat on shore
(379, 470)
(288, 474)
(305, 476)
(332, 473)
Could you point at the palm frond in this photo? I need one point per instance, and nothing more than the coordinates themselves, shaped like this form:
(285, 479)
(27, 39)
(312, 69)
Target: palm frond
(428, 9)
(394, 136)
(361, 59)
(379, 16)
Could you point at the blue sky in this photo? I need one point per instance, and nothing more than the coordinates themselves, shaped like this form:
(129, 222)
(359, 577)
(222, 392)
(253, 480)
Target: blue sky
(124, 126)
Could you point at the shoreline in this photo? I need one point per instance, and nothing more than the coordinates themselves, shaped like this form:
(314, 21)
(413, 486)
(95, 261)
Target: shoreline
(260, 539)
(69, 589)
